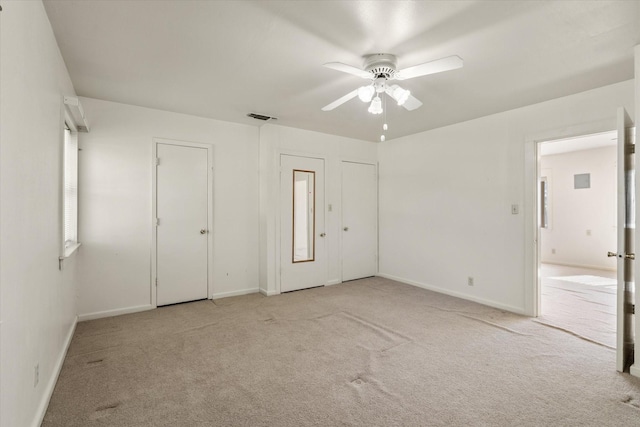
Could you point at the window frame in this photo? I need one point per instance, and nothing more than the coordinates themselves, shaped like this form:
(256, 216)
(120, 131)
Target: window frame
(544, 204)
(68, 247)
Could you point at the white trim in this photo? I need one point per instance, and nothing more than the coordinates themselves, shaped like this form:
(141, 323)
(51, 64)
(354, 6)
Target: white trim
(364, 162)
(153, 296)
(51, 385)
(333, 282)
(490, 303)
(634, 370)
(236, 293)
(71, 249)
(268, 293)
(532, 288)
(114, 312)
(154, 215)
(591, 267)
(74, 107)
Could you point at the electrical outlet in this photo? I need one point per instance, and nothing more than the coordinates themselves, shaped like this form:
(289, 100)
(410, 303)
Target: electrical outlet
(470, 281)
(588, 232)
(515, 210)
(36, 374)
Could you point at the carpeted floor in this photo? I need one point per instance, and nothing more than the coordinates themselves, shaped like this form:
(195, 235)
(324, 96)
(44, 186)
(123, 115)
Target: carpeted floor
(371, 352)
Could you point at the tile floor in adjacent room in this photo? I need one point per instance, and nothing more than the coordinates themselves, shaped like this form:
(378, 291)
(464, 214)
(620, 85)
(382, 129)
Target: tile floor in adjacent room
(584, 305)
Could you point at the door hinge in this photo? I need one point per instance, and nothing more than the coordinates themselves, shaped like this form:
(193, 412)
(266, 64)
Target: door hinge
(157, 161)
(157, 222)
(156, 281)
(632, 148)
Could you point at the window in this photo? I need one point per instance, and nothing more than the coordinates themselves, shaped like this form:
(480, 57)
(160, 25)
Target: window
(70, 190)
(544, 203)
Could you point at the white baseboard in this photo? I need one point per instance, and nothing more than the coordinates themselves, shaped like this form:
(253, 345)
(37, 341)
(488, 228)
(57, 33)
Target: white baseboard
(590, 267)
(235, 293)
(333, 282)
(115, 312)
(269, 293)
(490, 303)
(51, 384)
(634, 370)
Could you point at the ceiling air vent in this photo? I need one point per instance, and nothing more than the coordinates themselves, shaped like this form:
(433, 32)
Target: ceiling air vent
(261, 117)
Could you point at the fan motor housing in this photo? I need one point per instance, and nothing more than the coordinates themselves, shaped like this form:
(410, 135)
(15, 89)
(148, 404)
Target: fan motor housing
(381, 65)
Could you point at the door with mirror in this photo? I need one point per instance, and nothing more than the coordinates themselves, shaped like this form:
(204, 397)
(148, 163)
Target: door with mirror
(302, 229)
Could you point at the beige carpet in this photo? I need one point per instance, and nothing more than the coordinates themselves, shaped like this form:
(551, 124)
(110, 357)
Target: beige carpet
(371, 352)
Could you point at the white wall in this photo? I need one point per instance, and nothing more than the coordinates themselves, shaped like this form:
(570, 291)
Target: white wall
(116, 204)
(38, 301)
(446, 196)
(279, 139)
(574, 211)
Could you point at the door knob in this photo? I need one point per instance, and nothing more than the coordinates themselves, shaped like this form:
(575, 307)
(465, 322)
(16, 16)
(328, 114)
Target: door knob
(346, 229)
(203, 231)
(322, 234)
(630, 256)
(610, 254)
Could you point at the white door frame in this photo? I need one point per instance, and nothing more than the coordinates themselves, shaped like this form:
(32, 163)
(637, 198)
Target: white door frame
(154, 213)
(531, 199)
(278, 229)
(375, 165)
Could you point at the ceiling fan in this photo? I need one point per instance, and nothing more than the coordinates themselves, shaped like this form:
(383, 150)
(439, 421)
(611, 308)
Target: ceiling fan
(381, 68)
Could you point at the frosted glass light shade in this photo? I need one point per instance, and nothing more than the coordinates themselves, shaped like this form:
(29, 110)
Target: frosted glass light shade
(400, 95)
(376, 106)
(365, 93)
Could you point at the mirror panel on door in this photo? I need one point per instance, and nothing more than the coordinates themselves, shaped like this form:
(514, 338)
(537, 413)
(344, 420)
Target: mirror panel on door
(304, 224)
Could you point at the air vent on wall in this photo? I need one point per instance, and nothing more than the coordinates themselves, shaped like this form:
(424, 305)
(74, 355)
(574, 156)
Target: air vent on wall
(261, 117)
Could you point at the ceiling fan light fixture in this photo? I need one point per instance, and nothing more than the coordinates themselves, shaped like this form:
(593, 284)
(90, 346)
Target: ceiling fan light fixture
(400, 95)
(365, 93)
(376, 106)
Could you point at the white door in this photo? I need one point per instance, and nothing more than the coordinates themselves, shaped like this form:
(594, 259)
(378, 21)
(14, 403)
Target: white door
(626, 236)
(359, 220)
(181, 234)
(303, 261)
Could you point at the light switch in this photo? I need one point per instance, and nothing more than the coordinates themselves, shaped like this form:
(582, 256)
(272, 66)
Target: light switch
(515, 210)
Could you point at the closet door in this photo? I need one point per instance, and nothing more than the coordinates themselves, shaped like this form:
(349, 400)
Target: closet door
(359, 220)
(181, 234)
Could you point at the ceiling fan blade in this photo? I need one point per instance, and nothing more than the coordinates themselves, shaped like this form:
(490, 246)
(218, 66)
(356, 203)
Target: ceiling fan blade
(412, 103)
(340, 101)
(437, 66)
(339, 66)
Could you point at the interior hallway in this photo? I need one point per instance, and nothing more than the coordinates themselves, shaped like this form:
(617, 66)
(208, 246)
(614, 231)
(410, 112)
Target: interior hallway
(581, 301)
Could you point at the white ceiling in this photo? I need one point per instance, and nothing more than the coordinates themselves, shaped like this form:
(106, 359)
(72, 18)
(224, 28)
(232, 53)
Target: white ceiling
(224, 59)
(586, 142)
